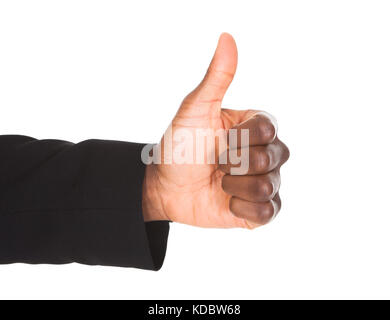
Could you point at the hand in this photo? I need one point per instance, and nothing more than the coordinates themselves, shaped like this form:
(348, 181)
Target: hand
(208, 195)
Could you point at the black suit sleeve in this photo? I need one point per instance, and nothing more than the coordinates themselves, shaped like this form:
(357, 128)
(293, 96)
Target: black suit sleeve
(62, 202)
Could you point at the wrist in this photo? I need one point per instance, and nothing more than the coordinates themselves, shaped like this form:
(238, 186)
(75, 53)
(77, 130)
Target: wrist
(152, 207)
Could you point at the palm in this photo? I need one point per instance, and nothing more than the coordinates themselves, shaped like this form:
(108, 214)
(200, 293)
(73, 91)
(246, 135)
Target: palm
(193, 193)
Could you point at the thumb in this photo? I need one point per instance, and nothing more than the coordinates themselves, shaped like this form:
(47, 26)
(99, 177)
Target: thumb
(219, 74)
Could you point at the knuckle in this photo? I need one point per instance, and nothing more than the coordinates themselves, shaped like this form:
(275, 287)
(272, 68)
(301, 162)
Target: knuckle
(263, 190)
(266, 213)
(266, 129)
(262, 161)
(267, 190)
(224, 75)
(287, 151)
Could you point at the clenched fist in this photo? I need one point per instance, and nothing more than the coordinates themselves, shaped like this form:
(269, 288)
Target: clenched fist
(238, 189)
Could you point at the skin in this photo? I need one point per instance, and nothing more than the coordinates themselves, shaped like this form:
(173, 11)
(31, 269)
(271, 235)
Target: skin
(207, 195)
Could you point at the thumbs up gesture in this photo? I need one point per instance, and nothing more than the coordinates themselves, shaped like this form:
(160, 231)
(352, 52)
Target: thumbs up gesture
(216, 167)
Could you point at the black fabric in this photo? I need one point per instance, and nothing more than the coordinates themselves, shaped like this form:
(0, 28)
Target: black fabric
(62, 202)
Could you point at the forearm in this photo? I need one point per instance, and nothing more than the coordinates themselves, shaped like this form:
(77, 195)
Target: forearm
(62, 202)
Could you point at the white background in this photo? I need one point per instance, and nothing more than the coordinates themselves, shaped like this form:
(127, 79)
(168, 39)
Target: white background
(118, 70)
